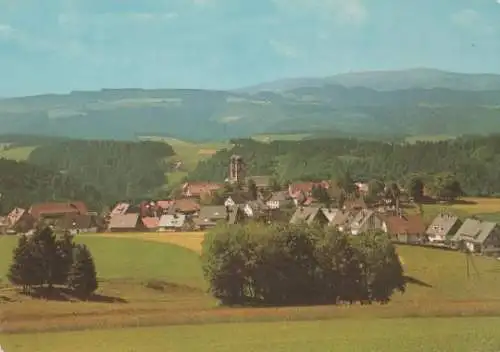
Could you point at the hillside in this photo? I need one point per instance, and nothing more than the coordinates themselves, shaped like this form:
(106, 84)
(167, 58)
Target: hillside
(333, 109)
(390, 80)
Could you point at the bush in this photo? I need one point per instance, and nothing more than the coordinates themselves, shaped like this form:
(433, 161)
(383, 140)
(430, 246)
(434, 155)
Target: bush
(292, 265)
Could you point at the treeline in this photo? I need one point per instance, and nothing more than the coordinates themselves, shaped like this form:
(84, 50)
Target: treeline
(22, 184)
(118, 169)
(292, 265)
(474, 161)
(42, 262)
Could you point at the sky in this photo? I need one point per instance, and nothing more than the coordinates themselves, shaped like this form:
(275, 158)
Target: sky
(57, 46)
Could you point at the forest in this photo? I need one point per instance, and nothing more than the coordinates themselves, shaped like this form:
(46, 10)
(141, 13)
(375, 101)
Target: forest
(23, 184)
(474, 161)
(118, 170)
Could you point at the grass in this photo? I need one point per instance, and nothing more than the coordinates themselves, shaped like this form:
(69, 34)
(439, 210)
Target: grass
(18, 153)
(267, 138)
(484, 208)
(429, 138)
(453, 335)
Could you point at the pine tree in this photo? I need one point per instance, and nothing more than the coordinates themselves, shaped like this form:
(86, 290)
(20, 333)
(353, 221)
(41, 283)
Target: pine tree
(20, 273)
(82, 276)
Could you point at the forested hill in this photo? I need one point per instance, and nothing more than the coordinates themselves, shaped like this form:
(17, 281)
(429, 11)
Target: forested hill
(217, 115)
(119, 170)
(475, 161)
(22, 184)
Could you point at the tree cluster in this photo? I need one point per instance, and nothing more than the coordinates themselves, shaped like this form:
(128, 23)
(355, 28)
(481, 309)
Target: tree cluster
(42, 262)
(292, 265)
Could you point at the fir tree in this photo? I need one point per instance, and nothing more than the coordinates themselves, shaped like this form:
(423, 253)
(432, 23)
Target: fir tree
(82, 276)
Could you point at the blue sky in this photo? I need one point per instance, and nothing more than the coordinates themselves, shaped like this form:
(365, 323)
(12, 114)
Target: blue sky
(63, 45)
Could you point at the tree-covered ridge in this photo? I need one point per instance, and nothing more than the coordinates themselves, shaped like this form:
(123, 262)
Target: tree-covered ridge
(118, 169)
(22, 184)
(474, 161)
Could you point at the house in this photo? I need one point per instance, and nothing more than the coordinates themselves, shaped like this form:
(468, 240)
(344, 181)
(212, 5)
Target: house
(309, 215)
(261, 182)
(19, 220)
(56, 210)
(184, 206)
(151, 223)
(404, 228)
(235, 215)
(255, 209)
(444, 226)
(342, 219)
(164, 205)
(120, 209)
(236, 198)
(366, 220)
(357, 203)
(197, 189)
(126, 223)
(76, 223)
(210, 215)
(330, 213)
(478, 236)
(362, 187)
(172, 222)
(279, 200)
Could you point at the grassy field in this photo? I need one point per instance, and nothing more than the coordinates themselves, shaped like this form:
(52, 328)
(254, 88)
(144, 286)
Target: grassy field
(484, 208)
(189, 153)
(453, 335)
(19, 153)
(267, 138)
(429, 138)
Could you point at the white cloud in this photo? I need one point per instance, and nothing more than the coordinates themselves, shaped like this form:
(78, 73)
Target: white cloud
(352, 12)
(284, 49)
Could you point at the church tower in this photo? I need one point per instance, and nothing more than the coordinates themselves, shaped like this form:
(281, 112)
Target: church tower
(236, 169)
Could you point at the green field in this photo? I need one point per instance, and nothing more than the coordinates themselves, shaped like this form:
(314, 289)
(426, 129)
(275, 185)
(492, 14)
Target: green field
(426, 317)
(429, 138)
(17, 153)
(267, 138)
(439, 335)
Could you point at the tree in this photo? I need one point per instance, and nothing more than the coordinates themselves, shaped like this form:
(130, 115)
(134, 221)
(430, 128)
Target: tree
(416, 187)
(320, 193)
(274, 185)
(447, 187)
(346, 183)
(21, 271)
(252, 189)
(44, 255)
(82, 276)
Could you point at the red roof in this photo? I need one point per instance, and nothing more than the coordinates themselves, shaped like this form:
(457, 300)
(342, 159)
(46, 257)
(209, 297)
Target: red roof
(196, 189)
(150, 222)
(120, 209)
(58, 208)
(186, 205)
(15, 215)
(164, 204)
(409, 224)
(306, 187)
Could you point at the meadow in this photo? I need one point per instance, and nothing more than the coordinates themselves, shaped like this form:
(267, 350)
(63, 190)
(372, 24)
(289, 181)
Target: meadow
(17, 153)
(452, 334)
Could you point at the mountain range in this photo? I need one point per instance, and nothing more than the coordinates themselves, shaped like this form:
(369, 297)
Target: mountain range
(410, 102)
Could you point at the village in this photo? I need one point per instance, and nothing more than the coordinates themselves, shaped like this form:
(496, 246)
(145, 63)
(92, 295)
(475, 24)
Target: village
(295, 205)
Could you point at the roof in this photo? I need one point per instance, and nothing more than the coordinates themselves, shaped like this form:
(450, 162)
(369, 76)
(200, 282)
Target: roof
(164, 204)
(198, 188)
(406, 224)
(40, 209)
(306, 187)
(343, 217)
(304, 214)
(361, 217)
(281, 196)
(124, 221)
(213, 212)
(150, 222)
(357, 203)
(442, 223)
(172, 220)
(185, 206)
(75, 221)
(260, 181)
(239, 197)
(120, 208)
(14, 216)
(257, 205)
(474, 230)
(330, 214)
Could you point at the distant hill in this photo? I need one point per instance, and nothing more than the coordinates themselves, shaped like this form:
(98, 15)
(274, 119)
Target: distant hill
(390, 80)
(203, 115)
